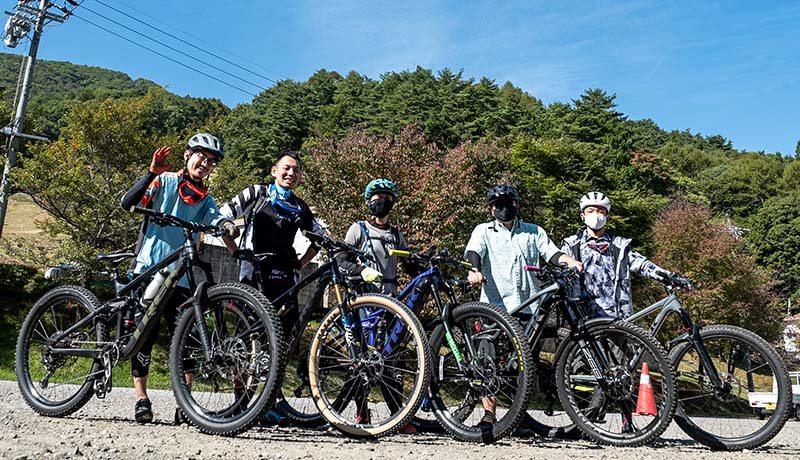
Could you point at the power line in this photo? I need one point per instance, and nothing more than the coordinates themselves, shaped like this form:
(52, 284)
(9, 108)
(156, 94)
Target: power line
(184, 41)
(165, 56)
(172, 48)
(155, 19)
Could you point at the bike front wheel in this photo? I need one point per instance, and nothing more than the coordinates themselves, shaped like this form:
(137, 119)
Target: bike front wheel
(59, 383)
(484, 366)
(722, 418)
(228, 391)
(604, 399)
(377, 392)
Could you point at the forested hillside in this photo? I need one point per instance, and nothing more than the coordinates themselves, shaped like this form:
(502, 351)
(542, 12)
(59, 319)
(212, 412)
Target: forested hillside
(692, 201)
(56, 85)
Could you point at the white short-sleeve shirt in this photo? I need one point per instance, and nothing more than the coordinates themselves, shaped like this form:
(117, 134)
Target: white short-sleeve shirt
(504, 254)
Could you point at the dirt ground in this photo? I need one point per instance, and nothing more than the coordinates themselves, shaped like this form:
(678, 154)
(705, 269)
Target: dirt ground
(105, 429)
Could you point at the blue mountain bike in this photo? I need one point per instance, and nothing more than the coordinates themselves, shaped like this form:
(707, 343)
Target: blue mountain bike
(479, 357)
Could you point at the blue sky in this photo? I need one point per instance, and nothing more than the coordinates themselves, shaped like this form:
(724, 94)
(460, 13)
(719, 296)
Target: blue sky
(714, 67)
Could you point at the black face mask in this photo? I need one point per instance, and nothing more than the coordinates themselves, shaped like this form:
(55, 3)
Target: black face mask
(380, 208)
(505, 212)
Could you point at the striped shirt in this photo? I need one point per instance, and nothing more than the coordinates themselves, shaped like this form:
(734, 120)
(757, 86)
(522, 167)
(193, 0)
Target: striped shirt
(267, 229)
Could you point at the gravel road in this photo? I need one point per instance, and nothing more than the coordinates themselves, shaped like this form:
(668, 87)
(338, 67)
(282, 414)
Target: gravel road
(105, 429)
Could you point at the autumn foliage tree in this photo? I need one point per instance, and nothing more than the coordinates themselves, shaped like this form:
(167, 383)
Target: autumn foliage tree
(442, 191)
(730, 288)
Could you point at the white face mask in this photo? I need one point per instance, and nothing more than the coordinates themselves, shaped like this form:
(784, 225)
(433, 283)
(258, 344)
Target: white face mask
(595, 220)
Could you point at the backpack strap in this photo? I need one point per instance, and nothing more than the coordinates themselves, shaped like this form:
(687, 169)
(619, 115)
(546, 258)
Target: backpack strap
(367, 243)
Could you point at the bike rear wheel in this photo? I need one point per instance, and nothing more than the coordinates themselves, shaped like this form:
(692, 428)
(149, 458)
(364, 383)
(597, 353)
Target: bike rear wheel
(495, 367)
(545, 416)
(229, 391)
(295, 401)
(722, 418)
(57, 384)
(607, 408)
(378, 393)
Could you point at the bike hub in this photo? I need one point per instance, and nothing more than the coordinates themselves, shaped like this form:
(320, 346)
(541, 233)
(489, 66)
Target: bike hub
(620, 383)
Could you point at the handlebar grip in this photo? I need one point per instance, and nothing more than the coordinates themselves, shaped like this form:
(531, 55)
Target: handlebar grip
(312, 236)
(399, 253)
(532, 268)
(466, 265)
(141, 210)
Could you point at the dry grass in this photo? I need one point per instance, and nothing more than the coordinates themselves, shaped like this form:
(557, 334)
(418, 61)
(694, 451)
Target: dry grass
(23, 221)
(24, 217)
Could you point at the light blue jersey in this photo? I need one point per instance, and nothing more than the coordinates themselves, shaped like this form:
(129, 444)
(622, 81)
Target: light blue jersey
(504, 254)
(158, 242)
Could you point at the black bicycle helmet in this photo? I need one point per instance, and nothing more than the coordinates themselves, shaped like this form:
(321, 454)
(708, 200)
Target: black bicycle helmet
(502, 192)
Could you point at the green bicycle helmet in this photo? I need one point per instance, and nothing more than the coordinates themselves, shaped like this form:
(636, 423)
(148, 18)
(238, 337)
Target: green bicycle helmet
(381, 186)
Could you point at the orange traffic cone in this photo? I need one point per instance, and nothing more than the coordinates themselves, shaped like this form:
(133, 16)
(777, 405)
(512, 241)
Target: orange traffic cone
(646, 402)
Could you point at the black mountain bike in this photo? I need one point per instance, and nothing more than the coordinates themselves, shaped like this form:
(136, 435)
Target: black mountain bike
(365, 380)
(479, 352)
(224, 360)
(716, 368)
(600, 367)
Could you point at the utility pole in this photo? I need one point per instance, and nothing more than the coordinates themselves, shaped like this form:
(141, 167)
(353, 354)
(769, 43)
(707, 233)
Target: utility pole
(18, 25)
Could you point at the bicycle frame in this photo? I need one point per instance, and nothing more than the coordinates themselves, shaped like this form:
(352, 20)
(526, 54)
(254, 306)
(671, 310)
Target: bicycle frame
(691, 332)
(340, 285)
(546, 300)
(187, 256)
(411, 297)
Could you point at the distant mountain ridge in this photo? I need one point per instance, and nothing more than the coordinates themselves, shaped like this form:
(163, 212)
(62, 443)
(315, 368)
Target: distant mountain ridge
(65, 80)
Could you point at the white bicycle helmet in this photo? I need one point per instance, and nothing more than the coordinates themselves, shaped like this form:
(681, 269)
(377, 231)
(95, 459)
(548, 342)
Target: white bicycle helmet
(208, 142)
(596, 199)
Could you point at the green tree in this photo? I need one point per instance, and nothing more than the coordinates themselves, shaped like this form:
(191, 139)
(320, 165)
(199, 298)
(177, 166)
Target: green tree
(555, 173)
(740, 186)
(775, 239)
(593, 118)
(80, 179)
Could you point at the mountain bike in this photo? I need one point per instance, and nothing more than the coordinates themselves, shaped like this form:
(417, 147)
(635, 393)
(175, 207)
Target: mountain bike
(224, 359)
(368, 359)
(602, 366)
(479, 350)
(717, 367)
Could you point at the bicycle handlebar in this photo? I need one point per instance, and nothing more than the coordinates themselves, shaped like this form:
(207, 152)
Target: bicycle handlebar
(334, 246)
(678, 282)
(249, 256)
(169, 220)
(438, 257)
(549, 273)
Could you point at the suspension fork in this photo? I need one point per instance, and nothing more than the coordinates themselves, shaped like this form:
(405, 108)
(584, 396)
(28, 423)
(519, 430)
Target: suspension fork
(200, 294)
(696, 341)
(349, 326)
(446, 313)
(595, 356)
